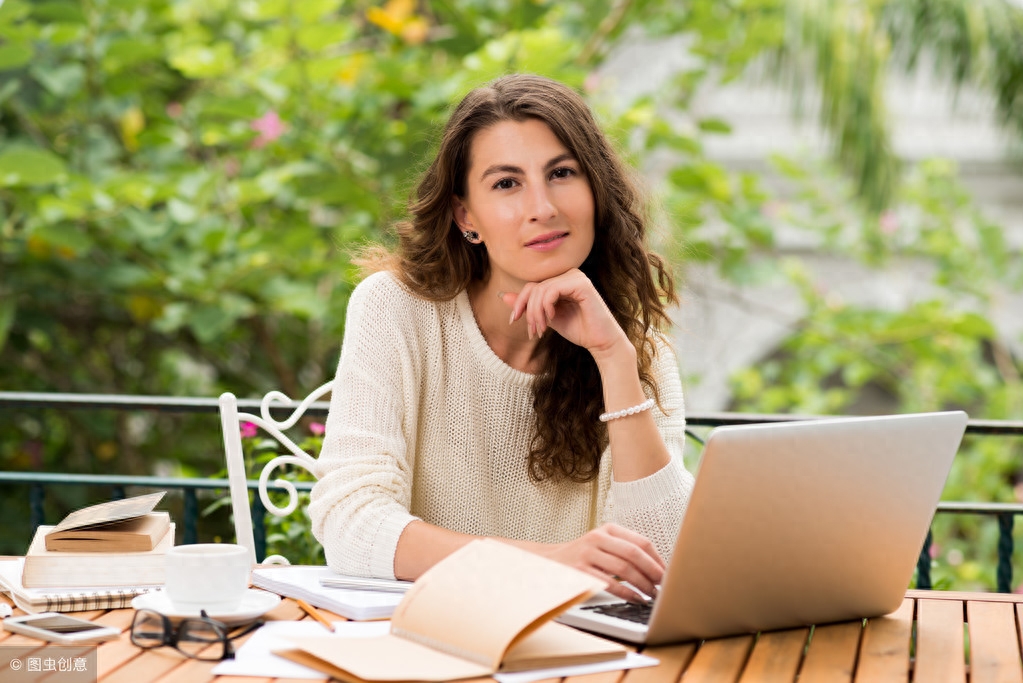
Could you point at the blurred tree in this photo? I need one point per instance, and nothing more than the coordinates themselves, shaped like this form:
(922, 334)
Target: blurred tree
(181, 181)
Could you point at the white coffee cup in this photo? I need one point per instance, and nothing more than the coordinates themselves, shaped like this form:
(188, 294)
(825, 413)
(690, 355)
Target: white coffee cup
(209, 576)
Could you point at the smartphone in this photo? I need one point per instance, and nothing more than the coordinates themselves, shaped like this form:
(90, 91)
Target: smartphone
(60, 628)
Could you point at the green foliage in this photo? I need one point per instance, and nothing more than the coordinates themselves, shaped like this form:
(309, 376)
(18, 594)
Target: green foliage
(182, 183)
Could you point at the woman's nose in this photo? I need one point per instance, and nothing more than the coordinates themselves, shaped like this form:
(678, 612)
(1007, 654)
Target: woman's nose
(541, 204)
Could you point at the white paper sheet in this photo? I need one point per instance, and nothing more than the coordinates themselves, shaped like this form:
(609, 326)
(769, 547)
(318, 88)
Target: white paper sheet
(256, 658)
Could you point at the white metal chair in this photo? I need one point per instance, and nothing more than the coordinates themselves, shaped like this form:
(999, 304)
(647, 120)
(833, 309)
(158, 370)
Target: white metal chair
(231, 422)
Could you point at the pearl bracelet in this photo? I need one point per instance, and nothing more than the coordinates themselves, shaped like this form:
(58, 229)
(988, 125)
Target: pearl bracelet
(625, 412)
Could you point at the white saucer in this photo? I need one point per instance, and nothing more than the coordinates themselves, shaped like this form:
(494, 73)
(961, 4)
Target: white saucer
(255, 603)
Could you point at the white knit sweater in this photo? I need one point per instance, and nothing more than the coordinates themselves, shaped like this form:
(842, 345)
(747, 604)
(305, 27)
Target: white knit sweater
(427, 422)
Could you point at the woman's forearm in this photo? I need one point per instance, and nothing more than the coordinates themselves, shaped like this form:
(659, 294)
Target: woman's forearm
(637, 448)
(606, 552)
(422, 545)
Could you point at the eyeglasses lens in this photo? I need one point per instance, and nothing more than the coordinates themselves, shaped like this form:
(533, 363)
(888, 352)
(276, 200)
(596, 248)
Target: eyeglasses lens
(201, 639)
(148, 629)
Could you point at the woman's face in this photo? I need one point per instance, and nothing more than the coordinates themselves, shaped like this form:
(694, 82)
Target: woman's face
(527, 198)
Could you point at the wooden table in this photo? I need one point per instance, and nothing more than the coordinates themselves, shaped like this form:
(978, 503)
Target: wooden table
(957, 637)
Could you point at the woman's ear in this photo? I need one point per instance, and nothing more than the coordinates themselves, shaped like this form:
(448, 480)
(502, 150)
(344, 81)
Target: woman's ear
(462, 220)
(461, 214)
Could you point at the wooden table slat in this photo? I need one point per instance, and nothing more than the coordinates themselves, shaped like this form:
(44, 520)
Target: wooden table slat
(193, 670)
(776, 656)
(719, 661)
(940, 648)
(994, 643)
(156, 664)
(962, 596)
(836, 653)
(673, 660)
(116, 653)
(831, 657)
(885, 647)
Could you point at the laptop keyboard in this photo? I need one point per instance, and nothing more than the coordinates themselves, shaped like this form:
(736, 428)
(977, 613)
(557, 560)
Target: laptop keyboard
(638, 612)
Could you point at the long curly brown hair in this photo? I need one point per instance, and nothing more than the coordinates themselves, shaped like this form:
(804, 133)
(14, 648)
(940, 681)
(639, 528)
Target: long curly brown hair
(435, 261)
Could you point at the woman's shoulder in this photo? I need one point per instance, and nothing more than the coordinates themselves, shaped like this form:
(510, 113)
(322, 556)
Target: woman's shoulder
(384, 294)
(380, 283)
(384, 288)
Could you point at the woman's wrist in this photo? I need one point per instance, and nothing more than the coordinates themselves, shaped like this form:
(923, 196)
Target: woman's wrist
(620, 354)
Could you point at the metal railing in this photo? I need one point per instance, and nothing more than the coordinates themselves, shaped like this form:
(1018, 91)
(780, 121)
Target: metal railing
(1005, 513)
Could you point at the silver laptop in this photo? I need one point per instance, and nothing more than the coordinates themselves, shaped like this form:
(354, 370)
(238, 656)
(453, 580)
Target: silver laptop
(792, 524)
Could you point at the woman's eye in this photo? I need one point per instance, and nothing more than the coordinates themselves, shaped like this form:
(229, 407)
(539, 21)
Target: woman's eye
(563, 172)
(504, 184)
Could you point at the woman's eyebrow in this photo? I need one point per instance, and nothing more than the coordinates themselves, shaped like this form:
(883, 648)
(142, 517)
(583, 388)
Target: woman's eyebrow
(560, 159)
(500, 168)
(508, 168)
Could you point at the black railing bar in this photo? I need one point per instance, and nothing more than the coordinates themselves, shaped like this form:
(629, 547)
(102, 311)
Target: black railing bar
(125, 480)
(319, 408)
(171, 404)
(968, 507)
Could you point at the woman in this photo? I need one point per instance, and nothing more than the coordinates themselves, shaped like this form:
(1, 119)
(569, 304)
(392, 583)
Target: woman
(503, 374)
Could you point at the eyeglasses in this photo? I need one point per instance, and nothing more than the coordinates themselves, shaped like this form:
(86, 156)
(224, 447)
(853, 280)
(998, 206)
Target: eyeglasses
(202, 638)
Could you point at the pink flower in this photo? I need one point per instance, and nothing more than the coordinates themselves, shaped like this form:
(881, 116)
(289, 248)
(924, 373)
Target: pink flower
(269, 126)
(248, 430)
(231, 167)
(772, 208)
(888, 222)
(317, 428)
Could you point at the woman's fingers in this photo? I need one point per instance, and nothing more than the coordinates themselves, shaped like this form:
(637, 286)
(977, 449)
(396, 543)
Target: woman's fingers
(638, 540)
(626, 560)
(569, 304)
(537, 314)
(536, 302)
(615, 586)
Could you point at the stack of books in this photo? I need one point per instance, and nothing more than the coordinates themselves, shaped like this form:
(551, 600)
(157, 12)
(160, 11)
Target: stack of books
(98, 557)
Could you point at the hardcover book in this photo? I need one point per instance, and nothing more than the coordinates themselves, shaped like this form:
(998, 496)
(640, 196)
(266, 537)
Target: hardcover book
(50, 568)
(115, 526)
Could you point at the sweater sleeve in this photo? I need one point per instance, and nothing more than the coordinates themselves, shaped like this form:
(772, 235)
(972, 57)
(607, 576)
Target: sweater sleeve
(654, 505)
(360, 505)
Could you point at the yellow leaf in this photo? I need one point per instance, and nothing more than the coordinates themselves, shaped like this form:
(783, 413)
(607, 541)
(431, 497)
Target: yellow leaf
(353, 66)
(143, 308)
(38, 247)
(106, 450)
(415, 31)
(393, 16)
(133, 121)
(383, 20)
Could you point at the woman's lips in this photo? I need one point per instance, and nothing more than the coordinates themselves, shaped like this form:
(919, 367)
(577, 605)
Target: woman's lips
(547, 242)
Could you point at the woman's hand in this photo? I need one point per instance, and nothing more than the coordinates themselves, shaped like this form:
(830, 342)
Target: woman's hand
(614, 554)
(570, 305)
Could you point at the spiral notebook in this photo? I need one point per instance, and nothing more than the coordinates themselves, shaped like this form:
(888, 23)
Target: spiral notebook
(70, 599)
(303, 581)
